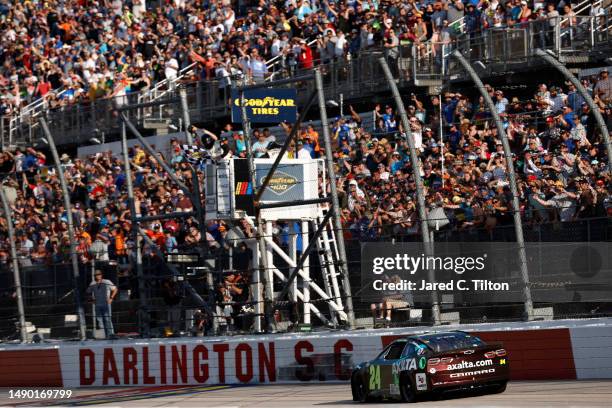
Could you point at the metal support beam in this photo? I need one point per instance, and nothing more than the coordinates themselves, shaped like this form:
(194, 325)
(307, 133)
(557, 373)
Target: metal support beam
(148, 218)
(295, 203)
(16, 277)
(603, 129)
(263, 264)
(292, 80)
(294, 130)
(156, 103)
(312, 244)
(516, 212)
(154, 154)
(335, 205)
(73, 241)
(414, 161)
(186, 117)
(143, 316)
(195, 180)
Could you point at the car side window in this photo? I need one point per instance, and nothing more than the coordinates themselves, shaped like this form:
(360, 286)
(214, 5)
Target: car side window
(395, 351)
(410, 350)
(382, 353)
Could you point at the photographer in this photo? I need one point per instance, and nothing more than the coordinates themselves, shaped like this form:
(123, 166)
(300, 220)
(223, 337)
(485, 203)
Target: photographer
(206, 137)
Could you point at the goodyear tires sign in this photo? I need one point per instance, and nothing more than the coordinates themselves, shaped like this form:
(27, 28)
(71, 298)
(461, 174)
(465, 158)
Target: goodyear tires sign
(265, 105)
(287, 183)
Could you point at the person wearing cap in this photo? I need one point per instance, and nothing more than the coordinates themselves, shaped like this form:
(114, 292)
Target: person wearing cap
(603, 87)
(302, 152)
(305, 58)
(103, 292)
(563, 201)
(500, 102)
(472, 20)
(574, 99)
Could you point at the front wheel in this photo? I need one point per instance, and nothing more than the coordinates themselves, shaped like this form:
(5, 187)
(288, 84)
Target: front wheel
(358, 389)
(406, 390)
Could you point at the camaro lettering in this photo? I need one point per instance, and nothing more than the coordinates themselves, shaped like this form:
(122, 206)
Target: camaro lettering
(469, 364)
(472, 373)
(403, 365)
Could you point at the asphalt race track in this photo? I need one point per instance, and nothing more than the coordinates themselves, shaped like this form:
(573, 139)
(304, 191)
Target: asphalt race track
(518, 394)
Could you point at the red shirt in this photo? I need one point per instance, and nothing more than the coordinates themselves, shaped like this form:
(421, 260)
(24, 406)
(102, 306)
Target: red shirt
(305, 58)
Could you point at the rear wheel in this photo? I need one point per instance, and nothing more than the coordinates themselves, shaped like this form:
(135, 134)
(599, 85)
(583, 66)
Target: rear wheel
(358, 389)
(407, 390)
(499, 388)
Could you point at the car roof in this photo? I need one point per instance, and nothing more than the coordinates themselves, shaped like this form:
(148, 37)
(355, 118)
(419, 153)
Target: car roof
(428, 336)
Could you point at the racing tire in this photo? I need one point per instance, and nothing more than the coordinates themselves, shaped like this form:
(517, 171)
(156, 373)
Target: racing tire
(407, 390)
(358, 389)
(499, 388)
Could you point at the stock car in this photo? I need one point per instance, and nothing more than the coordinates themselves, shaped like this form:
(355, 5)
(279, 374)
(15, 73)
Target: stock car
(415, 366)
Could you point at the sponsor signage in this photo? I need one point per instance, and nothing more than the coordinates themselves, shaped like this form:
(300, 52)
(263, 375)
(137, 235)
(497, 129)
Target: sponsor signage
(287, 183)
(265, 105)
(288, 357)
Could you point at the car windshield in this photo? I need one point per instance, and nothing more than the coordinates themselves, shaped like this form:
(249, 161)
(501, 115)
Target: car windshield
(450, 341)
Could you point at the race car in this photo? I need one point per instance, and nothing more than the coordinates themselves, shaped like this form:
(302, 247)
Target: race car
(414, 366)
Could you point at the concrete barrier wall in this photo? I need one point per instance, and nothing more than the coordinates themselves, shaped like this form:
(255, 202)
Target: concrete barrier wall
(537, 351)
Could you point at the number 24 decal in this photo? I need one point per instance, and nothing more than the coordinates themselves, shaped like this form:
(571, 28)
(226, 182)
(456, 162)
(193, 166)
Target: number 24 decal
(374, 377)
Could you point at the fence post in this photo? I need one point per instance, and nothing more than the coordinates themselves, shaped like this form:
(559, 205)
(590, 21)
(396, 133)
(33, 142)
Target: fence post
(334, 203)
(68, 208)
(16, 277)
(518, 226)
(414, 161)
(268, 288)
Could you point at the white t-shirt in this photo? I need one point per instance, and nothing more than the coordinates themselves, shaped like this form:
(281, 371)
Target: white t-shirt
(339, 46)
(171, 68)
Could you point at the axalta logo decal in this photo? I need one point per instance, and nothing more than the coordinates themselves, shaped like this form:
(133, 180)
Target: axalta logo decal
(472, 373)
(469, 364)
(403, 365)
(281, 182)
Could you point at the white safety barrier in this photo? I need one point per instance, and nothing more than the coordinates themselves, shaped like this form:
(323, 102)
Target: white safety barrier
(567, 349)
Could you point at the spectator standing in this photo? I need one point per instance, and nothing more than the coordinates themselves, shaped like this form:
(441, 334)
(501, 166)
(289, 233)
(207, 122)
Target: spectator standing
(603, 88)
(103, 292)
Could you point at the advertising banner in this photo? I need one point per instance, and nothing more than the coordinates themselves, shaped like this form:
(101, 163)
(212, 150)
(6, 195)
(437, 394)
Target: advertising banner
(266, 105)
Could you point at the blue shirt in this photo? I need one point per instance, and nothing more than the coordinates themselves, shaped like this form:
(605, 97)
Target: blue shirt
(574, 100)
(28, 162)
(448, 110)
(569, 118)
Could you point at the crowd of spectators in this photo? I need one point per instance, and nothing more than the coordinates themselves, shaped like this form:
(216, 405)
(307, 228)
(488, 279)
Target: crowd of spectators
(559, 155)
(98, 49)
(557, 150)
(92, 49)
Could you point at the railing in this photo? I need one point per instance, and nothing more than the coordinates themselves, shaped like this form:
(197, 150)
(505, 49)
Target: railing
(276, 64)
(358, 77)
(27, 114)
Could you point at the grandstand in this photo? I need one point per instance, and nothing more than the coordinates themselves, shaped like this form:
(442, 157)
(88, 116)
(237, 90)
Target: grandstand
(80, 65)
